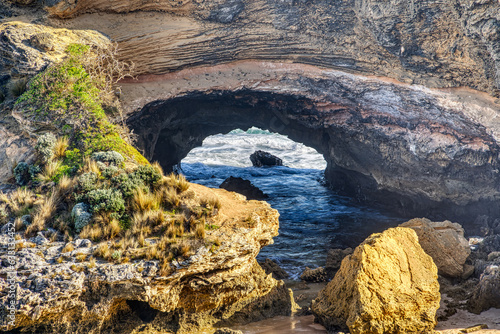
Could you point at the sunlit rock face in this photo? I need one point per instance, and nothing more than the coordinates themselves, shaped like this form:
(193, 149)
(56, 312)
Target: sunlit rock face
(219, 285)
(388, 285)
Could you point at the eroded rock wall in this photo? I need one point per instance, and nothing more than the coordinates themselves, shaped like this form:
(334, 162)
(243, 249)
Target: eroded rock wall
(218, 285)
(435, 43)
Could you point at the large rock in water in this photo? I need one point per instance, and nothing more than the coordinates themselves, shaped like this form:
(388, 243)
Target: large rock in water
(444, 242)
(388, 285)
(244, 187)
(260, 159)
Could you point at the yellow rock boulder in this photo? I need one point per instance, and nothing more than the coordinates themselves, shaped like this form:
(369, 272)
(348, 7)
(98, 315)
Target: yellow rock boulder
(388, 285)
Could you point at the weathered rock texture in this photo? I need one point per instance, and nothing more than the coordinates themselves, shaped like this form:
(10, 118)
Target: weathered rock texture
(388, 285)
(216, 286)
(436, 43)
(261, 159)
(487, 292)
(244, 187)
(444, 242)
(334, 260)
(414, 150)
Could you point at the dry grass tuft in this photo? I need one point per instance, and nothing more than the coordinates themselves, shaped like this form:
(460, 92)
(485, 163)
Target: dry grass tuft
(199, 233)
(60, 147)
(66, 185)
(50, 170)
(170, 198)
(44, 213)
(103, 251)
(68, 248)
(90, 166)
(178, 182)
(145, 201)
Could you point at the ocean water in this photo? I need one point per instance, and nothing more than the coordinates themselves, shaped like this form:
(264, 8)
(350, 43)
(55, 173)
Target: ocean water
(313, 218)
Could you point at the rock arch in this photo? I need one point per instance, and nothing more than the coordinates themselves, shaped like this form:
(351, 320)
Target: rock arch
(410, 149)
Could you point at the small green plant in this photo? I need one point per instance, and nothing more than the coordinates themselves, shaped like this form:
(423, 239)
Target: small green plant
(127, 183)
(21, 173)
(105, 200)
(117, 255)
(149, 175)
(111, 157)
(88, 181)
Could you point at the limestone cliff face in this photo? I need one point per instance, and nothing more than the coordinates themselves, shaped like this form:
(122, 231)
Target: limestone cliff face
(218, 285)
(436, 43)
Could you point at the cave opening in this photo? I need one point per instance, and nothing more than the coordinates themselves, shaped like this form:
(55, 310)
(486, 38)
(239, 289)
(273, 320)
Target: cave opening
(370, 156)
(313, 218)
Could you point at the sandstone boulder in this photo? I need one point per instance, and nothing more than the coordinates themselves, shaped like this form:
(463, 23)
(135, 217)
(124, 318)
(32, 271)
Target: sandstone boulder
(487, 292)
(444, 242)
(261, 159)
(244, 187)
(388, 285)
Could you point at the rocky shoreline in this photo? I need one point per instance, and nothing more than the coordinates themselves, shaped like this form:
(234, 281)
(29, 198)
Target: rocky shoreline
(403, 108)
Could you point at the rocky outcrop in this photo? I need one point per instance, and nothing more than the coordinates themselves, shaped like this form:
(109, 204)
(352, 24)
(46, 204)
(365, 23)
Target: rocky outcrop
(220, 284)
(260, 159)
(28, 48)
(487, 292)
(244, 187)
(444, 242)
(388, 285)
(490, 244)
(25, 50)
(407, 148)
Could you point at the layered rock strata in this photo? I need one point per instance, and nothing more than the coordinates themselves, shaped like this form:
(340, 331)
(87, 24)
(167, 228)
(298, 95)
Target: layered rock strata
(435, 43)
(413, 150)
(388, 285)
(217, 286)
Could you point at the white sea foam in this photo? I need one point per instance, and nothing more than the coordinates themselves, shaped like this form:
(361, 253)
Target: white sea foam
(234, 149)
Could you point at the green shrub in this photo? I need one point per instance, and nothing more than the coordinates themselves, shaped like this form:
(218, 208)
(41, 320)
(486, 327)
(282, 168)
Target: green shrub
(81, 216)
(110, 172)
(149, 175)
(34, 170)
(21, 173)
(111, 157)
(88, 181)
(105, 200)
(127, 183)
(45, 146)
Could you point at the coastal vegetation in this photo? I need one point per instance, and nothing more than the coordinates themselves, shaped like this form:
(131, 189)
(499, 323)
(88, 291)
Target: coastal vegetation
(88, 181)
